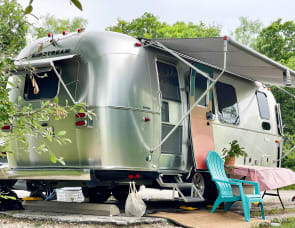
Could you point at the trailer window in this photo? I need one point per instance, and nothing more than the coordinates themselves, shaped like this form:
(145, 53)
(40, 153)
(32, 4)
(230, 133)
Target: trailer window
(42, 85)
(263, 105)
(169, 84)
(201, 84)
(227, 103)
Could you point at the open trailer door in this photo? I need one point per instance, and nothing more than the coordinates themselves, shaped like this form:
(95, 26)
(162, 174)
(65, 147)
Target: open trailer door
(239, 61)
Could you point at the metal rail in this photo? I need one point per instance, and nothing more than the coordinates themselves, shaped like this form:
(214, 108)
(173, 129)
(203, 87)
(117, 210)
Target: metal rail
(63, 83)
(200, 98)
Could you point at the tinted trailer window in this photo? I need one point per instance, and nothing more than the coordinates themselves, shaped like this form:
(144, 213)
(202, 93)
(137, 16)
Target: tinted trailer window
(227, 103)
(42, 85)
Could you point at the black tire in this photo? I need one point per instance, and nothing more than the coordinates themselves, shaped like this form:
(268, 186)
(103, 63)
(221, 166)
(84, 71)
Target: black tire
(97, 194)
(7, 183)
(207, 187)
(121, 192)
(35, 190)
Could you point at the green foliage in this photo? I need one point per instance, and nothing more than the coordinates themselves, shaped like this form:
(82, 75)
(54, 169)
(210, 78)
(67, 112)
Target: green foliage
(287, 108)
(288, 115)
(148, 26)
(247, 32)
(289, 142)
(277, 41)
(50, 23)
(25, 120)
(235, 150)
(13, 28)
(29, 8)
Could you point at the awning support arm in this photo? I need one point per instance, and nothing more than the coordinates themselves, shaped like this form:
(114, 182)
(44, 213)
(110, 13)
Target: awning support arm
(184, 61)
(285, 91)
(293, 96)
(200, 98)
(62, 82)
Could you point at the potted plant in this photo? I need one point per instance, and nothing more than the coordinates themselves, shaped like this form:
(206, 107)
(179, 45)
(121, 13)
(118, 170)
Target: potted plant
(235, 151)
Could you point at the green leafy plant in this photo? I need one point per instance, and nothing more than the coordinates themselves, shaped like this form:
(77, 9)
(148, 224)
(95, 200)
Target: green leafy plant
(234, 151)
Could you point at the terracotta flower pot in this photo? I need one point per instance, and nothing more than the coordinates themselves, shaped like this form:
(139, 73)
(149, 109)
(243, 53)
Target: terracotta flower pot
(230, 161)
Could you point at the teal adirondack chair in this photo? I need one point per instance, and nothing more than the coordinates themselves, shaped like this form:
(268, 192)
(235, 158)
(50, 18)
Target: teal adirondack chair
(216, 168)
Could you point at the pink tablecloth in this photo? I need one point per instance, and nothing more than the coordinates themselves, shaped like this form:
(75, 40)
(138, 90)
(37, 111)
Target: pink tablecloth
(267, 177)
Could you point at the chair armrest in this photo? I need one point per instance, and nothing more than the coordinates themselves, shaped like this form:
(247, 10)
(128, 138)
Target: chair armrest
(231, 183)
(256, 184)
(226, 181)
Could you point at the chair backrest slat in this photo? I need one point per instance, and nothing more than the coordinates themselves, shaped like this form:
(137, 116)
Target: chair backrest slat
(216, 168)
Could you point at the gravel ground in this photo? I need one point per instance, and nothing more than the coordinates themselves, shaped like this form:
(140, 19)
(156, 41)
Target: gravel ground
(11, 222)
(28, 219)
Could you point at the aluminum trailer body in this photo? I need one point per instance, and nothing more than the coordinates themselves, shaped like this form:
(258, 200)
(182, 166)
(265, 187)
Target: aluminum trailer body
(138, 92)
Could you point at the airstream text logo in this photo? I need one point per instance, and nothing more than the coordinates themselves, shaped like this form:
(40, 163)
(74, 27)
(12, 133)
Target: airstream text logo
(51, 53)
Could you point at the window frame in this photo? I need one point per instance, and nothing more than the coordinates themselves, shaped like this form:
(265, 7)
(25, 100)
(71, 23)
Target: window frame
(158, 78)
(259, 105)
(220, 115)
(41, 72)
(207, 97)
(193, 79)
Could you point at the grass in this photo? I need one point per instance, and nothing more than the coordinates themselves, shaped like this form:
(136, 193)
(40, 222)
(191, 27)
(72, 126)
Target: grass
(284, 223)
(289, 187)
(38, 223)
(274, 211)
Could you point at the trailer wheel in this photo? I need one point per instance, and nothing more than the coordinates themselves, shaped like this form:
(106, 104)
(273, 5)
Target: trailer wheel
(121, 192)
(97, 194)
(206, 186)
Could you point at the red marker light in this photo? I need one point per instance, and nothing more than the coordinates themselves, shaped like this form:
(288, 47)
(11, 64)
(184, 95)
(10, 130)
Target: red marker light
(65, 32)
(81, 115)
(81, 123)
(137, 176)
(146, 119)
(138, 44)
(49, 34)
(80, 30)
(131, 176)
(277, 141)
(6, 128)
(225, 38)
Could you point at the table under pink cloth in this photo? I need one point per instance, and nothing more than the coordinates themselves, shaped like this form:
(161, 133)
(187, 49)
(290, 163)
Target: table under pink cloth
(267, 177)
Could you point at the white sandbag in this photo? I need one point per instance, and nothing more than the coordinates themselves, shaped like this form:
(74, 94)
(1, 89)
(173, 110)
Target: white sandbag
(134, 205)
(156, 194)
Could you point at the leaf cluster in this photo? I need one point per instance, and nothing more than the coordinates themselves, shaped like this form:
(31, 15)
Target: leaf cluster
(247, 32)
(13, 28)
(76, 3)
(235, 150)
(50, 23)
(148, 26)
(277, 41)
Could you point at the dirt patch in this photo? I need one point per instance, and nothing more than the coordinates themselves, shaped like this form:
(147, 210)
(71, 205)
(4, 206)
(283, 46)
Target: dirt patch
(11, 222)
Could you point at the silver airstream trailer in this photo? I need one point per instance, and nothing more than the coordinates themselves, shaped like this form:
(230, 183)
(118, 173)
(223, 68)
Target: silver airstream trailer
(160, 105)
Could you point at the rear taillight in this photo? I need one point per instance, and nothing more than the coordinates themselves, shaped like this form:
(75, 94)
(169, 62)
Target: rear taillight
(81, 115)
(81, 123)
(6, 128)
(132, 176)
(81, 119)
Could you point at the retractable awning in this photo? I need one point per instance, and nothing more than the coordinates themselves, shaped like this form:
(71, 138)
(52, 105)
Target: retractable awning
(24, 65)
(241, 60)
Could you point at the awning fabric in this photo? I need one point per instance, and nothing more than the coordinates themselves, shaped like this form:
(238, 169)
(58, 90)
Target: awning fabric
(23, 65)
(241, 60)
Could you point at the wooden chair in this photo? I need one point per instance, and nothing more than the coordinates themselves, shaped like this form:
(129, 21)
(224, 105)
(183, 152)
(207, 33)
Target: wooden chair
(216, 168)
